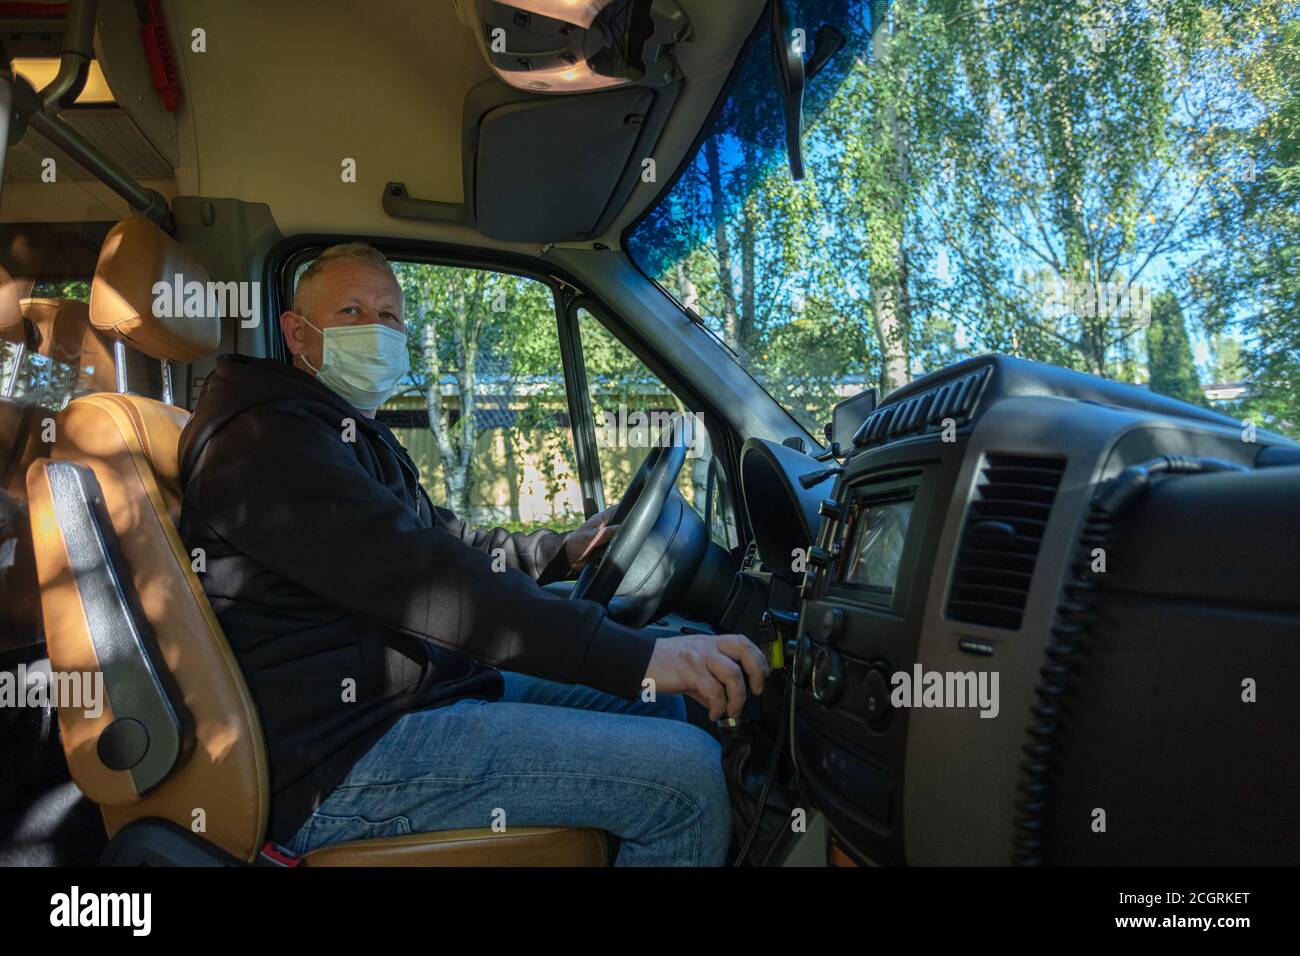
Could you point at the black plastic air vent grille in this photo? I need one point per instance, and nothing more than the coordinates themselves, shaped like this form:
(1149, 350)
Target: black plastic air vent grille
(955, 400)
(999, 545)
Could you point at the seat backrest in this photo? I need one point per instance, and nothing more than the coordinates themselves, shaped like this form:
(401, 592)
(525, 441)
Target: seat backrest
(60, 327)
(129, 445)
(65, 335)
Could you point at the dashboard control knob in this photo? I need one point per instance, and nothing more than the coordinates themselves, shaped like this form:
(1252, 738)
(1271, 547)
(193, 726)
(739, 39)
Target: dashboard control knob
(827, 675)
(832, 623)
(803, 661)
(876, 692)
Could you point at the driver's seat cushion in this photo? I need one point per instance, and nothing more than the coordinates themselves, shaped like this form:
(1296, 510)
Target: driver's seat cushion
(130, 444)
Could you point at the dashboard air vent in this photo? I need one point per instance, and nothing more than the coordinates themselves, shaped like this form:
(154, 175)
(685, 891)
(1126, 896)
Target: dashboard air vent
(999, 546)
(930, 409)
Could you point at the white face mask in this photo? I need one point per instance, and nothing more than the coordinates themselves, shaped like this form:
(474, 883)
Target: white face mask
(362, 363)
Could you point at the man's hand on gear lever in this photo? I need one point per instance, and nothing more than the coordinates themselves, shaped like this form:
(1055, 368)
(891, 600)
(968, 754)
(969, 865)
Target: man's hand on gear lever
(711, 668)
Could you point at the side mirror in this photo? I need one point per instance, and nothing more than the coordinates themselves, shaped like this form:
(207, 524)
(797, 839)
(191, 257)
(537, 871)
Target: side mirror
(719, 508)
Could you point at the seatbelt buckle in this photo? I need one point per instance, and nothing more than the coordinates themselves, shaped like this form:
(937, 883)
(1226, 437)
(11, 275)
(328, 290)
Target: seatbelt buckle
(272, 854)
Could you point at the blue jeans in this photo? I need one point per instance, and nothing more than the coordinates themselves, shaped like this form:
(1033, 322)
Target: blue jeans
(546, 754)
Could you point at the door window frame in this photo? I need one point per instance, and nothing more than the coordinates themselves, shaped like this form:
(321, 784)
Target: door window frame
(721, 440)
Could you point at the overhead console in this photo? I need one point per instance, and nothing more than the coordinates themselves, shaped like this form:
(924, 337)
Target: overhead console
(1035, 594)
(555, 144)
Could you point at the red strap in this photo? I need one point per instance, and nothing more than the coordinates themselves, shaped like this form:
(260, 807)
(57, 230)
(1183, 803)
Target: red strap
(162, 65)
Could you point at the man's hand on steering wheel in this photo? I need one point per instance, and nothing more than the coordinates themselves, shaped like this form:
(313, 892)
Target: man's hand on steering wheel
(595, 533)
(635, 517)
(711, 668)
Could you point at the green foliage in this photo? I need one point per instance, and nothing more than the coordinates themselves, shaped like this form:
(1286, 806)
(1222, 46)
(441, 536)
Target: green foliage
(484, 346)
(1172, 370)
(63, 289)
(1257, 219)
(1020, 177)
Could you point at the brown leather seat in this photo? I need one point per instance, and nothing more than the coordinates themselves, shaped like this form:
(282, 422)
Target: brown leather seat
(205, 767)
(65, 334)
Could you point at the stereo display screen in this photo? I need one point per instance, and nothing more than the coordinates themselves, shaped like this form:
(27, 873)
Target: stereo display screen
(877, 534)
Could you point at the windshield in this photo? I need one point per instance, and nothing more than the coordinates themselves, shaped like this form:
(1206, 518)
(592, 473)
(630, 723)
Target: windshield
(1110, 187)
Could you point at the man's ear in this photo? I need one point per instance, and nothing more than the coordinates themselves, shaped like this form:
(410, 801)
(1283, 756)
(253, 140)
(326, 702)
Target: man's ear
(293, 328)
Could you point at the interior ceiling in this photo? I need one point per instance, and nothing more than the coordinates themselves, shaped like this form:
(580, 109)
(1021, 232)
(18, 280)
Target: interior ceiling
(287, 90)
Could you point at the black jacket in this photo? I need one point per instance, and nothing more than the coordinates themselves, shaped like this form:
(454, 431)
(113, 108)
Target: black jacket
(348, 598)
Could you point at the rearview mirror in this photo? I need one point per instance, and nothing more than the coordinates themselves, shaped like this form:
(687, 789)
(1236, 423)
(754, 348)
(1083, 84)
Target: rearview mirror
(790, 78)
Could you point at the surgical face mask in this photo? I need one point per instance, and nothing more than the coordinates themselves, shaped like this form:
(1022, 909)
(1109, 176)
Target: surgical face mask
(362, 363)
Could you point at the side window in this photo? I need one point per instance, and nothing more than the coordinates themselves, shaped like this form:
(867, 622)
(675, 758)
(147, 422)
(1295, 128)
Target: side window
(631, 405)
(484, 413)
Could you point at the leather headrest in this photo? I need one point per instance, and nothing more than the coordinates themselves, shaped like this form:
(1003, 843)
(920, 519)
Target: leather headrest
(11, 310)
(60, 327)
(125, 299)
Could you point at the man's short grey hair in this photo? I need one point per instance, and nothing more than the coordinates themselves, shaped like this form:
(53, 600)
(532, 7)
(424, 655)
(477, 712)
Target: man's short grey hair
(356, 251)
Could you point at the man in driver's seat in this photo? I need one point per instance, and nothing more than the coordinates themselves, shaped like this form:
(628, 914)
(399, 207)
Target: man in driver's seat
(366, 619)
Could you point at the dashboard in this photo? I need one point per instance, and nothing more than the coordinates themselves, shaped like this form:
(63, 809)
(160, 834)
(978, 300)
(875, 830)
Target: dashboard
(1028, 595)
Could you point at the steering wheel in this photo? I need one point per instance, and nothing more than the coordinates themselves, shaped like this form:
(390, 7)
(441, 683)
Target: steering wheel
(636, 516)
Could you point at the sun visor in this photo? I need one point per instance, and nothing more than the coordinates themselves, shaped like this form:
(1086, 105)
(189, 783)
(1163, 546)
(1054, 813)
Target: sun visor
(548, 169)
